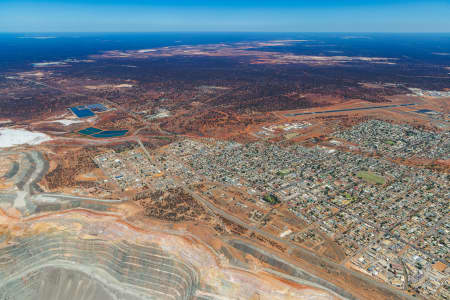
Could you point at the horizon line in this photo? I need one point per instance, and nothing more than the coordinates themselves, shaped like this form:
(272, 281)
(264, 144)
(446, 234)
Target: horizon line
(224, 31)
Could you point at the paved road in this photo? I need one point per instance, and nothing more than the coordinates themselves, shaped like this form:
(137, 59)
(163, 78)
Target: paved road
(349, 109)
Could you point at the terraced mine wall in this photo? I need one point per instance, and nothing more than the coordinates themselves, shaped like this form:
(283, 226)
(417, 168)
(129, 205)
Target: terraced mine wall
(42, 167)
(26, 168)
(12, 171)
(33, 166)
(55, 283)
(7, 198)
(48, 207)
(58, 266)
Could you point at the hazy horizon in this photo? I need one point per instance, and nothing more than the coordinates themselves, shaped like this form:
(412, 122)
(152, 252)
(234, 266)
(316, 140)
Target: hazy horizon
(226, 32)
(348, 16)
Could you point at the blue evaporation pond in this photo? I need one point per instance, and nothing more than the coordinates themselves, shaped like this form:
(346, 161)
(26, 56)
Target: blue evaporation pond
(90, 131)
(82, 112)
(110, 133)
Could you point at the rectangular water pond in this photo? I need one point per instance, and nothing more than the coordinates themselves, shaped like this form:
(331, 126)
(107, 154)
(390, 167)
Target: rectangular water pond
(110, 133)
(82, 112)
(89, 131)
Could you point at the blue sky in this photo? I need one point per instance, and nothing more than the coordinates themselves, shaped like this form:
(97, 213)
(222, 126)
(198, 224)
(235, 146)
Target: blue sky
(220, 15)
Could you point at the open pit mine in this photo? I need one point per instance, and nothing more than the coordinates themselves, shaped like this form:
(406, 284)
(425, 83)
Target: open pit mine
(56, 246)
(66, 267)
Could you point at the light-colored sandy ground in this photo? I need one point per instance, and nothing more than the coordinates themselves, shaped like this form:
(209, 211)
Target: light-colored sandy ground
(12, 137)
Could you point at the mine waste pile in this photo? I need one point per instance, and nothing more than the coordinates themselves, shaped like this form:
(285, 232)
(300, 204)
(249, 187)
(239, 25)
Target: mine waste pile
(54, 267)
